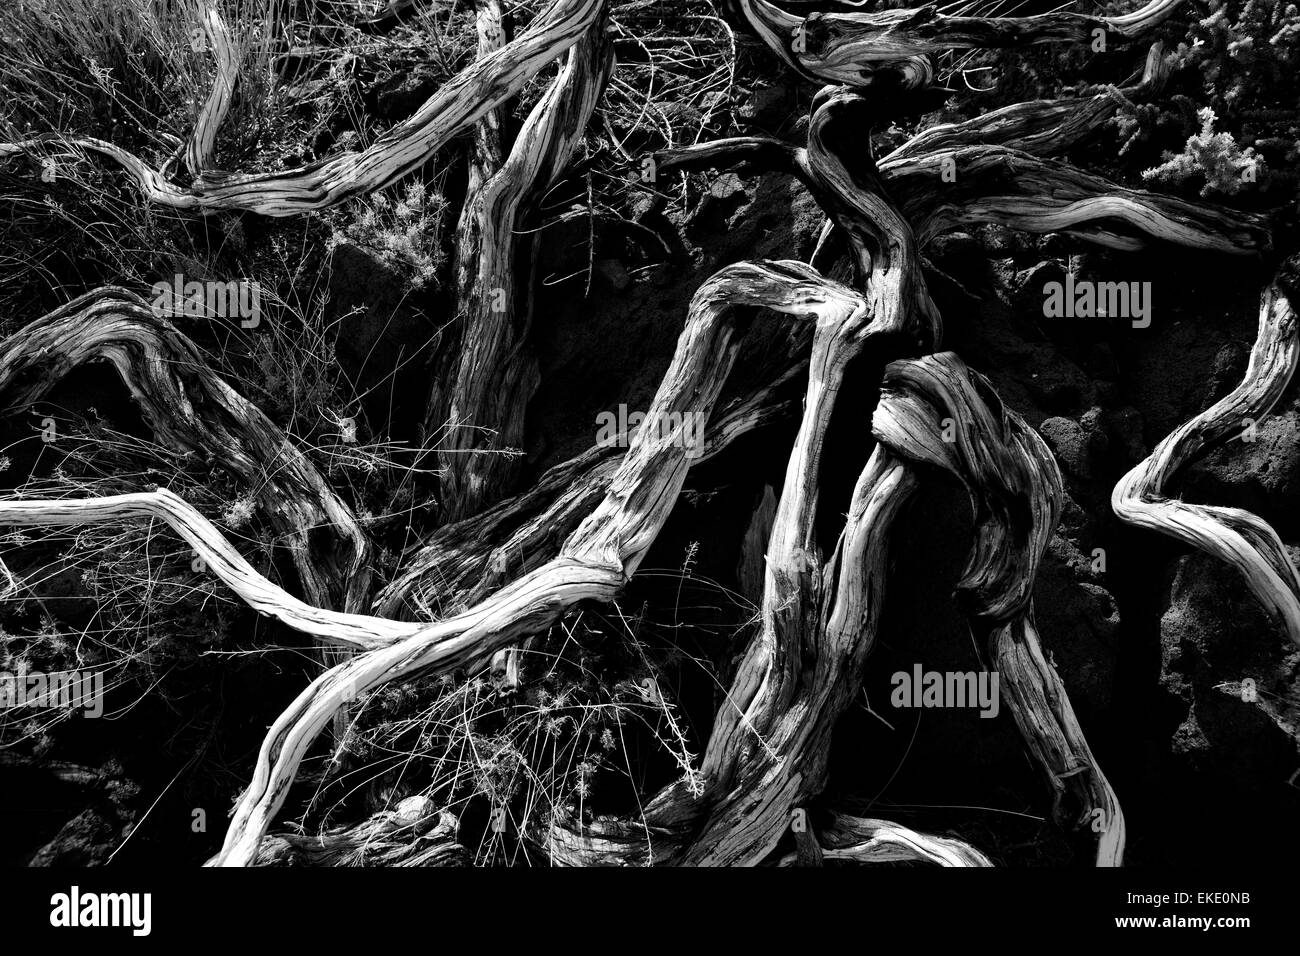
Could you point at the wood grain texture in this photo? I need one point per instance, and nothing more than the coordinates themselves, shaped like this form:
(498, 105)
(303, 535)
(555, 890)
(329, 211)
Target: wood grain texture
(1016, 493)
(201, 145)
(400, 150)
(495, 374)
(1242, 540)
(862, 49)
(190, 408)
(596, 560)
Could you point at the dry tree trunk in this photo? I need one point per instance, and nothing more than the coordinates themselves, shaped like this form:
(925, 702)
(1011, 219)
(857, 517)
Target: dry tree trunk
(463, 563)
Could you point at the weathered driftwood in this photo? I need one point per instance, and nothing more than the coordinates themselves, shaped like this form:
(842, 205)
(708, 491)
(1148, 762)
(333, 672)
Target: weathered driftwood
(222, 560)
(461, 564)
(1040, 127)
(595, 561)
(1237, 537)
(959, 178)
(440, 574)
(583, 531)
(994, 184)
(482, 161)
(413, 833)
(766, 754)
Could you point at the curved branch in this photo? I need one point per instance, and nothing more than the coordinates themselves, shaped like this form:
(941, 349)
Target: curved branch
(1038, 127)
(865, 840)
(401, 150)
(413, 833)
(858, 48)
(1236, 537)
(994, 184)
(202, 143)
(495, 376)
(597, 558)
(1016, 490)
(191, 408)
(768, 748)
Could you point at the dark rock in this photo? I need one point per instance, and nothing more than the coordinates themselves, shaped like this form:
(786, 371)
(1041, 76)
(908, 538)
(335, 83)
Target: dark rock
(1078, 622)
(1214, 635)
(1069, 443)
(614, 273)
(85, 840)
(1258, 469)
(378, 331)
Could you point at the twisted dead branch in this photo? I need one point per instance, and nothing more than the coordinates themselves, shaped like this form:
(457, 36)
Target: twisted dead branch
(191, 409)
(1238, 538)
(1016, 491)
(865, 840)
(202, 143)
(462, 101)
(495, 577)
(496, 375)
(860, 49)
